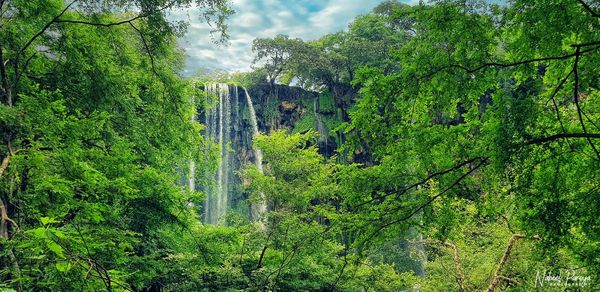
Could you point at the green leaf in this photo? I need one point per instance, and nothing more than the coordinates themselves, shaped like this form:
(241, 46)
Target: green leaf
(63, 266)
(47, 220)
(57, 249)
(38, 232)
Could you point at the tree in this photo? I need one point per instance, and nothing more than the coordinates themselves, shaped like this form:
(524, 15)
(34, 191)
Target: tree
(494, 106)
(89, 190)
(275, 53)
(304, 244)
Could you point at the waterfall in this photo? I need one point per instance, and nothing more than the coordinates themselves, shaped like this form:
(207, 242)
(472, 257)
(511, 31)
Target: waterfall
(323, 132)
(254, 130)
(218, 129)
(259, 209)
(227, 134)
(192, 165)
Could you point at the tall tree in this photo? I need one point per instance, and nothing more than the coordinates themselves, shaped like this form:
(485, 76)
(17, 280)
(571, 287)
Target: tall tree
(492, 105)
(275, 53)
(88, 187)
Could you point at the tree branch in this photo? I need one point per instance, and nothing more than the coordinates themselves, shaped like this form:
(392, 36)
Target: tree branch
(429, 177)
(262, 256)
(552, 97)
(590, 120)
(563, 136)
(57, 19)
(588, 8)
(576, 98)
(4, 90)
(100, 24)
(38, 34)
(141, 15)
(5, 162)
(428, 202)
(147, 48)
(4, 220)
(523, 62)
(460, 278)
(128, 21)
(496, 278)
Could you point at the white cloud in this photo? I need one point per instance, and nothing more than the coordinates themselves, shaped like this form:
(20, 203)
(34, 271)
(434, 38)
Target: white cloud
(305, 19)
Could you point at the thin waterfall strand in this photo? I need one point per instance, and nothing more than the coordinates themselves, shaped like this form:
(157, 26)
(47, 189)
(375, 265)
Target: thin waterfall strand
(192, 166)
(260, 208)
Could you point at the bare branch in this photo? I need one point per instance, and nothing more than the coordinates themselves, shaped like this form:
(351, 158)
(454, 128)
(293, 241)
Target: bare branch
(262, 256)
(57, 19)
(4, 90)
(110, 24)
(555, 104)
(341, 273)
(100, 24)
(460, 278)
(147, 48)
(11, 152)
(590, 120)
(38, 34)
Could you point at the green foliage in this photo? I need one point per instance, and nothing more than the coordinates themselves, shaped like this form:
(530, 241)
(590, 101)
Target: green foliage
(95, 128)
(474, 121)
(275, 53)
(470, 117)
(475, 137)
(301, 239)
(305, 124)
(247, 79)
(326, 104)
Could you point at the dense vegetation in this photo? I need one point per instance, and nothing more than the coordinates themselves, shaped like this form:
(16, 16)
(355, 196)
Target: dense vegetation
(468, 157)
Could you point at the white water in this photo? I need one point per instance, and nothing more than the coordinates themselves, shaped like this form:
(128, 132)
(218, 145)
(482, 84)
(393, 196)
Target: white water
(191, 180)
(192, 166)
(217, 197)
(222, 119)
(260, 208)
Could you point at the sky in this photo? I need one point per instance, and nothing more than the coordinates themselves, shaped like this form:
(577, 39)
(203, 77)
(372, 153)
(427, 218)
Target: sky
(305, 19)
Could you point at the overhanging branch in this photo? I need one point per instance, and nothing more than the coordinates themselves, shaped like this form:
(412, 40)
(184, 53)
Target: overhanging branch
(563, 136)
(576, 99)
(588, 8)
(428, 202)
(421, 182)
(595, 45)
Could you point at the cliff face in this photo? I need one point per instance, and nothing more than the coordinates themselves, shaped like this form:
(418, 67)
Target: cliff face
(279, 106)
(297, 110)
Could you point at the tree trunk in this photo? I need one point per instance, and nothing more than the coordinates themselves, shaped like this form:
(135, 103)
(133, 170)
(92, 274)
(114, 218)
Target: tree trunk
(497, 276)
(460, 277)
(4, 88)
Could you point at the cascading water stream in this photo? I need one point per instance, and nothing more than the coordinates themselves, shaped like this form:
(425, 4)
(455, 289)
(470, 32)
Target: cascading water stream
(218, 129)
(192, 165)
(323, 134)
(228, 137)
(260, 208)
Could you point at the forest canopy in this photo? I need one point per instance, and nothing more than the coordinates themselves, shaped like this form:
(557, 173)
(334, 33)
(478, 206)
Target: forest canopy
(449, 145)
